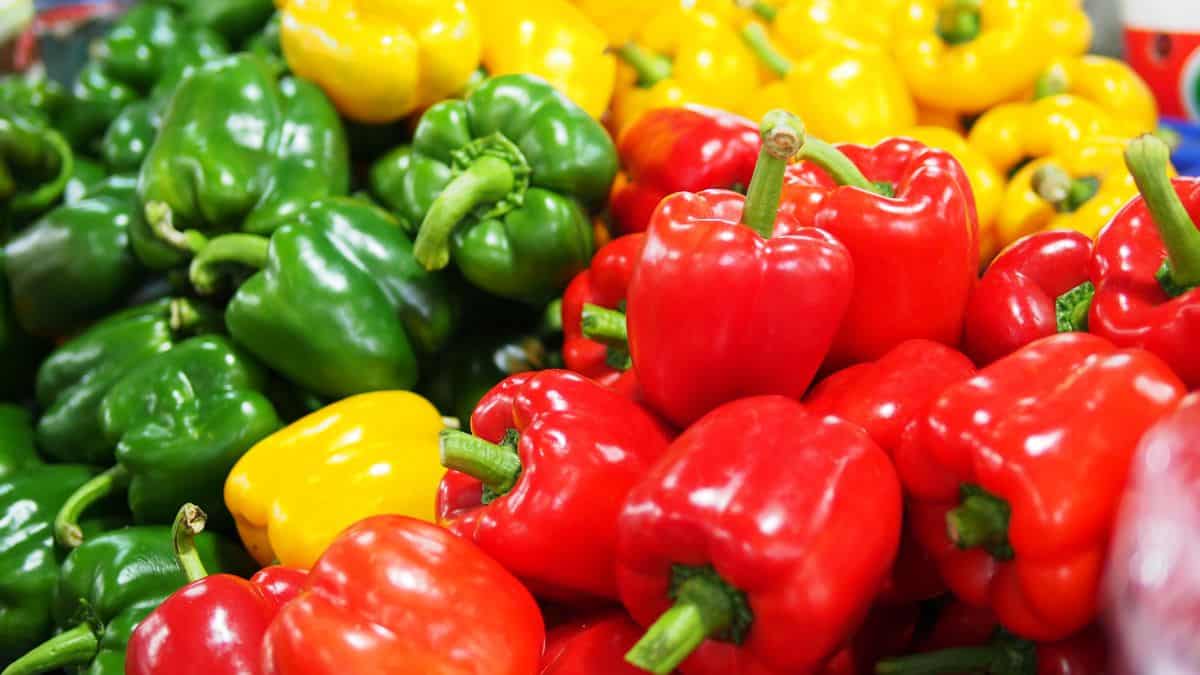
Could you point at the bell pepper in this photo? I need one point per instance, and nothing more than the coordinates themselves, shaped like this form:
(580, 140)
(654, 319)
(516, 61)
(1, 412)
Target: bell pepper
(72, 381)
(550, 39)
(179, 422)
(35, 164)
(718, 535)
(886, 398)
(693, 308)
(367, 454)
(1036, 287)
(130, 135)
(541, 483)
(1146, 264)
(75, 264)
(801, 27)
(17, 449)
(381, 62)
(1013, 134)
(848, 94)
(205, 174)
(1106, 82)
(32, 89)
(602, 286)
(215, 624)
(267, 43)
(1152, 608)
(994, 48)
(84, 176)
(1015, 475)
(361, 612)
(593, 646)
(684, 149)
(20, 353)
(235, 20)
(109, 584)
(622, 20)
(503, 180)
(906, 214)
(467, 370)
(294, 316)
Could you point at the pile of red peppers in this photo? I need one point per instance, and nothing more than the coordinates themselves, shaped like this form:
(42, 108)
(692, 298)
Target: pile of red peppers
(797, 432)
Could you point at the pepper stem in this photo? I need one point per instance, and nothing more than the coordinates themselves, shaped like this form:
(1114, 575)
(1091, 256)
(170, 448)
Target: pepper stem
(189, 522)
(755, 37)
(960, 21)
(782, 135)
(839, 167)
(1071, 308)
(73, 647)
(248, 250)
(496, 466)
(487, 179)
(48, 192)
(651, 68)
(703, 607)
(761, 8)
(1053, 184)
(67, 532)
(980, 520)
(161, 220)
(1052, 82)
(1148, 159)
(958, 660)
(604, 325)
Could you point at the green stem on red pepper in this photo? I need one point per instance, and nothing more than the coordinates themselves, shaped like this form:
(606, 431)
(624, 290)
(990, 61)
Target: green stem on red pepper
(960, 21)
(189, 522)
(604, 325)
(245, 250)
(755, 37)
(497, 466)
(1071, 308)
(782, 136)
(1148, 159)
(66, 523)
(651, 68)
(839, 167)
(1066, 194)
(980, 520)
(73, 647)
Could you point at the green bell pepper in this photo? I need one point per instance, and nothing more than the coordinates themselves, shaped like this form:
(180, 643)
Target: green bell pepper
(235, 20)
(35, 164)
(85, 175)
(33, 89)
(503, 180)
(109, 584)
(340, 306)
(472, 366)
(240, 149)
(73, 380)
(17, 449)
(130, 135)
(75, 264)
(179, 421)
(20, 353)
(96, 100)
(266, 44)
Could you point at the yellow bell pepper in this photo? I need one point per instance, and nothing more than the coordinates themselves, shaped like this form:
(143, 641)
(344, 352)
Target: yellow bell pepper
(969, 55)
(843, 94)
(381, 61)
(375, 453)
(553, 40)
(1109, 83)
(621, 20)
(801, 27)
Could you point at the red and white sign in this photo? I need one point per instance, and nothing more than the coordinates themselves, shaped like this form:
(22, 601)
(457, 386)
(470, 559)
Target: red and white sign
(1162, 43)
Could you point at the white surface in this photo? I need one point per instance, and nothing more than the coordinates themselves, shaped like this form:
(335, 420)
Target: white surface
(1164, 15)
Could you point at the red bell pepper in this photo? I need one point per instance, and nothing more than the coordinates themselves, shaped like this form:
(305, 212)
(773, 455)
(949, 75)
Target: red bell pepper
(886, 398)
(602, 286)
(758, 543)
(684, 149)
(541, 483)
(592, 646)
(907, 214)
(1036, 287)
(1146, 267)
(1014, 476)
(1155, 608)
(396, 596)
(215, 624)
(732, 299)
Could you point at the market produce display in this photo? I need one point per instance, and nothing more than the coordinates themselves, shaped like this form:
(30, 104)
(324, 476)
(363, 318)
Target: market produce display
(596, 337)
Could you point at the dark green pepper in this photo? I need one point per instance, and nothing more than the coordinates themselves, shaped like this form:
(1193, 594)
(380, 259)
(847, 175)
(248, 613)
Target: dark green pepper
(74, 379)
(75, 264)
(109, 584)
(17, 449)
(34, 90)
(340, 306)
(239, 149)
(85, 175)
(235, 20)
(20, 353)
(469, 368)
(35, 163)
(179, 421)
(503, 181)
(130, 135)
(96, 100)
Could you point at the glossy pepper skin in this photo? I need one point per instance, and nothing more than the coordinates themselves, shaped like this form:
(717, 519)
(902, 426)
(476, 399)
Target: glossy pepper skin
(75, 264)
(35, 164)
(1016, 301)
(501, 182)
(293, 314)
(1012, 133)
(215, 624)
(915, 253)
(604, 284)
(801, 27)
(1107, 82)
(546, 508)
(685, 149)
(595, 645)
(467, 616)
(205, 173)
(381, 62)
(130, 135)
(236, 20)
(712, 261)
(766, 462)
(367, 454)
(886, 398)
(1013, 488)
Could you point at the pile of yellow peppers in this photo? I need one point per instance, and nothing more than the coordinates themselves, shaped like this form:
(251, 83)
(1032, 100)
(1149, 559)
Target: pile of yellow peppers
(1004, 85)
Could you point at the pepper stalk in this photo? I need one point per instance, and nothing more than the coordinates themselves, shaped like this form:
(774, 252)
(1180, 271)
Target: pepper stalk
(1148, 159)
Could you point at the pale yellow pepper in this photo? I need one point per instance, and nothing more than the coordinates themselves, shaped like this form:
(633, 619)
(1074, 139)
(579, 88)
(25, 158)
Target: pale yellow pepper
(1109, 83)
(801, 27)
(370, 454)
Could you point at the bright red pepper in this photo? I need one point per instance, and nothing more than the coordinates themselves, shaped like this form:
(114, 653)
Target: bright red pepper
(886, 398)
(396, 596)
(732, 299)
(1155, 609)
(1146, 267)
(215, 624)
(907, 214)
(592, 646)
(1036, 287)
(684, 149)
(553, 457)
(1015, 475)
(603, 285)
(758, 543)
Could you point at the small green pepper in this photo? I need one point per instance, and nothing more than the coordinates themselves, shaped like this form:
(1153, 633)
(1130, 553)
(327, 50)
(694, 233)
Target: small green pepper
(130, 135)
